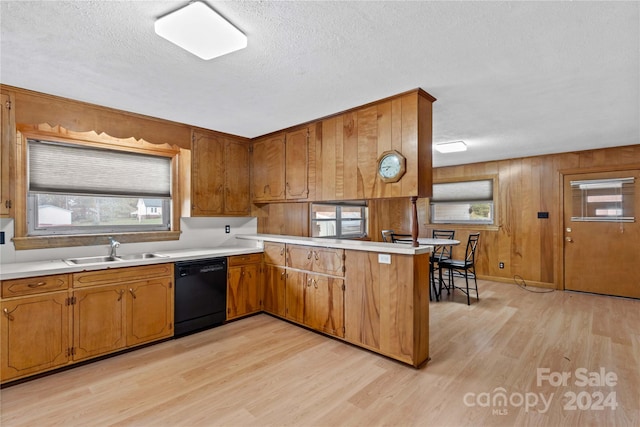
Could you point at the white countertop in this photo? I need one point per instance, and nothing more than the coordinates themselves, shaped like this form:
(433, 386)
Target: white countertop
(357, 245)
(20, 270)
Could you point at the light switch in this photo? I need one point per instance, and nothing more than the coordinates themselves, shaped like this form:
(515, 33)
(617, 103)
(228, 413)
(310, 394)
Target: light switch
(384, 259)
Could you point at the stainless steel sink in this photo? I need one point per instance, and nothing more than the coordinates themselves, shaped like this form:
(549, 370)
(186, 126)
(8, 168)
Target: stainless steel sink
(106, 259)
(146, 255)
(91, 260)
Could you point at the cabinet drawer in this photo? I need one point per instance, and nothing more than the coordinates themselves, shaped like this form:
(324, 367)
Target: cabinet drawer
(274, 253)
(245, 259)
(316, 259)
(121, 275)
(34, 285)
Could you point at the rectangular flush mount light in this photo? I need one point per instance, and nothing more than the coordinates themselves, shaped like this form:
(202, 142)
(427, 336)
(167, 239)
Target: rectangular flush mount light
(200, 30)
(451, 147)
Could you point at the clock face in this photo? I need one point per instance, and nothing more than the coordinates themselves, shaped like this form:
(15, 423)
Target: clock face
(389, 166)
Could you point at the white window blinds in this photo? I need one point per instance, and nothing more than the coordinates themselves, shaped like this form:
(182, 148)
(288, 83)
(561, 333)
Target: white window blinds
(464, 191)
(74, 169)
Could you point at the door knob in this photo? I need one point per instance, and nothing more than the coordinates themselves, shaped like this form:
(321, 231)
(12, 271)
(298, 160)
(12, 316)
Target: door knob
(568, 239)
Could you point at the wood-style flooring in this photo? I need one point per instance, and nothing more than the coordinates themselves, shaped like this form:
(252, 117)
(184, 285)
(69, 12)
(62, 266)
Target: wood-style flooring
(262, 371)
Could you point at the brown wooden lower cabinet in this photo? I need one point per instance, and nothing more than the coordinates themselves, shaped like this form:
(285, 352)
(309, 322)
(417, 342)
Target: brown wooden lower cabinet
(36, 334)
(244, 285)
(128, 307)
(381, 306)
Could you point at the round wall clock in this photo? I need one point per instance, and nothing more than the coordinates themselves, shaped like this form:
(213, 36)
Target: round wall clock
(391, 166)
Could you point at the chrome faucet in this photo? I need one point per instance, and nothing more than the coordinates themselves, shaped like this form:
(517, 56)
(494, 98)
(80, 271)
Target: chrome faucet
(114, 244)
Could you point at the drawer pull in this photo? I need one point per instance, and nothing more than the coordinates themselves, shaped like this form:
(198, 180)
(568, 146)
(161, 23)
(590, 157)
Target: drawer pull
(309, 256)
(121, 293)
(36, 285)
(133, 294)
(316, 255)
(281, 251)
(7, 314)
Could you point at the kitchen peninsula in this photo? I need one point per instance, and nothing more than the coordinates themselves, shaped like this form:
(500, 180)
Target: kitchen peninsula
(373, 295)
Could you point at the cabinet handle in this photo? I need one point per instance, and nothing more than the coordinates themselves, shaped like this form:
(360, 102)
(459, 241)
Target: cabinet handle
(310, 253)
(133, 294)
(315, 283)
(121, 293)
(308, 283)
(7, 314)
(282, 274)
(36, 285)
(281, 251)
(316, 255)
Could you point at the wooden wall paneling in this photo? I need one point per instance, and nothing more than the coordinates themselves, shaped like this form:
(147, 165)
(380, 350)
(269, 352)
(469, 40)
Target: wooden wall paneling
(385, 143)
(283, 218)
(327, 154)
(350, 172)
(338, 158)
(425, 143)
(547, 181)
(409, 181)
(367, 153)
(34, 108)
(362, 299)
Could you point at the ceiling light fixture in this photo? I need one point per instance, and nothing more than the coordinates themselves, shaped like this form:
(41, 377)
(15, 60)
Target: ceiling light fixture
(451, 147)
(200, 30)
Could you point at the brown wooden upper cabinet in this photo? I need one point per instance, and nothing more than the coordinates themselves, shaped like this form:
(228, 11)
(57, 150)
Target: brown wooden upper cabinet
(279, 167)
(336, 158)
(349, 145)
(219, 175)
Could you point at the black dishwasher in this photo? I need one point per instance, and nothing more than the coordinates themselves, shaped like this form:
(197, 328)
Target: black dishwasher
(200, 295)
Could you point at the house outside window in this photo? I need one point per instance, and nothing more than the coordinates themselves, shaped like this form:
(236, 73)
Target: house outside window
(341, 221)
(463, 202)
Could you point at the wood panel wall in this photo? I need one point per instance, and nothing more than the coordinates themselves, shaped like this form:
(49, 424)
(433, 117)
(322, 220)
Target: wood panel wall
(529, 247)
(34, 108)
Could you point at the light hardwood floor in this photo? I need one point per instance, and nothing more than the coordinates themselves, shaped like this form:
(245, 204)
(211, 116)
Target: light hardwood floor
(263, 371)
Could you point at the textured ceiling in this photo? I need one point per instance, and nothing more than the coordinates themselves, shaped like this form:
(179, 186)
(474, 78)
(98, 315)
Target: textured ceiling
(512, 79)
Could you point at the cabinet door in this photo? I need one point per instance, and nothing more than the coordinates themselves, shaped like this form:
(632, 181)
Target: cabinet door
(268, 169)
(7, 141)
(274, 290)
(35, 334)
(324, 304)
(149, 310)
(296, 164)
(244, 290)
(296, 287)
(236, 169)
(99, 320)
(207, 175)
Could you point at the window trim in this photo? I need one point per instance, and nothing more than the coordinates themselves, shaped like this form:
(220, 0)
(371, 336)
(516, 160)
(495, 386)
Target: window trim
(365, 219)
(23, 241)
(494, 225)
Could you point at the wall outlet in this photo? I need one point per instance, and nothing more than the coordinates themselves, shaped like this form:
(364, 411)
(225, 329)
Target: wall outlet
(501, 264)
(227, 229)
(384, 259)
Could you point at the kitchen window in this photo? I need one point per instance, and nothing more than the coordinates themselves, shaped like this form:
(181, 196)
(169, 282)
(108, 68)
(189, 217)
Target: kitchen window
(83, 189)
(463, 202)
(339, 220)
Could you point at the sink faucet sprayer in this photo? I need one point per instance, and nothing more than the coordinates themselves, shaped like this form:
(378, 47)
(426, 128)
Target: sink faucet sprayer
(114, 244)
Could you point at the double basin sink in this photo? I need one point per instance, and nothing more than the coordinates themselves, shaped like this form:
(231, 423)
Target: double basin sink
(107, 259)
